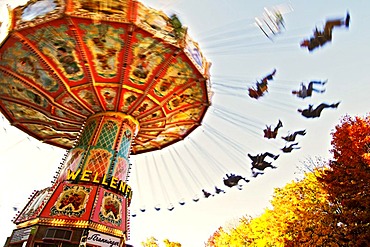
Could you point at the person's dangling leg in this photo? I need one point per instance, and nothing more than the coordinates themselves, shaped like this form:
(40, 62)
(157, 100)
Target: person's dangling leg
(319, 83)
(328, 29)
(318, 91)
(322, 106)
(270, 155)
(347, 20)
(330, 24)
(279, 125)
(335, 105)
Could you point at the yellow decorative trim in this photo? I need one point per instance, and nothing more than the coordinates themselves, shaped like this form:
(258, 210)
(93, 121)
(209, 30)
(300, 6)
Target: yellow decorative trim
(28, 223)
(73, 223)
(133, 89)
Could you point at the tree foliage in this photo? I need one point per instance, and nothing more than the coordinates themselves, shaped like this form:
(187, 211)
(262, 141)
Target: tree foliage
(153, 242)
(298, 217)
(150, 242)
(168, 243)
(329, 206)
(347, 180)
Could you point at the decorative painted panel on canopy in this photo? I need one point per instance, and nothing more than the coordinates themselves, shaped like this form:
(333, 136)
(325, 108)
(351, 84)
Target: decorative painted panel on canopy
(63, 61)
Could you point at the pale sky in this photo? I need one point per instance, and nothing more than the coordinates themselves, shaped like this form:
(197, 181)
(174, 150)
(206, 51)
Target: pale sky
(240, 55)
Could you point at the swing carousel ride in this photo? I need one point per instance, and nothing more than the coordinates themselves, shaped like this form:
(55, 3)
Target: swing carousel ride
(122, 88)
(104, 80)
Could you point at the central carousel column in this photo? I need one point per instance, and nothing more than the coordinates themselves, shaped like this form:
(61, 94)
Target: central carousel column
(102, 151)
(91, 191)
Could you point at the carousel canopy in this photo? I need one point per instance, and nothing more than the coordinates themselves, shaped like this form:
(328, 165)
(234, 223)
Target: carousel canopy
(63, 61)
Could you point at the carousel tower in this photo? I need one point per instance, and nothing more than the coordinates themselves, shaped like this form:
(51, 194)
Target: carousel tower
(104, 80)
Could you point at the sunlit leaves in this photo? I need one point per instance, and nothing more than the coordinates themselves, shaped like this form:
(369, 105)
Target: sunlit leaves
(347, 181)
(298, 217)
(150, 242)
(168, 243)
(329, 206)
(153, 242)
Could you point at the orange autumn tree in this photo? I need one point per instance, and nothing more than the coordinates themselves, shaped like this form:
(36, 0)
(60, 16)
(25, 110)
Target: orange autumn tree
(300, 216)
(347, 180)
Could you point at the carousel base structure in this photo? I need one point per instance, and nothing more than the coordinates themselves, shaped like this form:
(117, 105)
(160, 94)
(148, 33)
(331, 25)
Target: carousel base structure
(87, 205)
